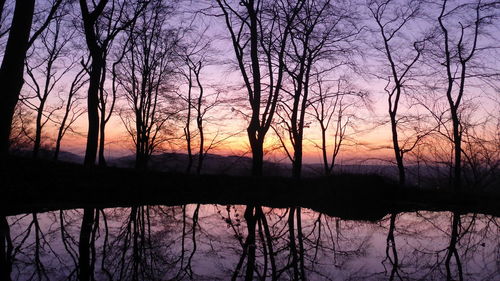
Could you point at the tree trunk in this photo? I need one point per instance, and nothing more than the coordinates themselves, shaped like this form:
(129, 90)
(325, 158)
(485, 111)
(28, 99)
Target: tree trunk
(457, 143)
(201, 151)
(187, 129)
(102, 128)
(257, 153)
(102, 107)
(38, 131)
(141, 160)
(60, 135)
(93, 111)
(97, 55)
(199, 122)
(12, 69)
(255, 135)
(57, 149)
(326, 166)
(397, 150)
(297, 160)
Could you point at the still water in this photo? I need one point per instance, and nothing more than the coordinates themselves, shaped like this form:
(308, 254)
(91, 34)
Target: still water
(224, 242)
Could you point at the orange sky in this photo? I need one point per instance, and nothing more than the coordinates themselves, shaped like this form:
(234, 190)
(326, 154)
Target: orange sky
(118, 142)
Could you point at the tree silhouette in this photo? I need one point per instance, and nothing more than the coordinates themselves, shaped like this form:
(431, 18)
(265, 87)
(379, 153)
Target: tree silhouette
(321, 41)
(334, 105)
(459, 46)
(45, 77)
(145, 77)
(259, 46)
(12, 68)
(71, 109)
(401, 67)
(101, 26)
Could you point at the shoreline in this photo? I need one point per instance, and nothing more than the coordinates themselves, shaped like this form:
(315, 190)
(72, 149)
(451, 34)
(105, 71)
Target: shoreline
(42, 185)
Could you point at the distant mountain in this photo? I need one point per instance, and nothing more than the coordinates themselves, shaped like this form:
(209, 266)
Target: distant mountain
(64, 156)
(240, 165)
(421, 176)
(212, 164)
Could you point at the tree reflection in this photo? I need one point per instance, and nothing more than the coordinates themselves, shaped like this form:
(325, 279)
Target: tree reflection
(438, 246)
(5, 249)
(130, 253)
(191, 242)
(68, 241)
(84, 265)
(248, 246)
(186, 263)
(452, 250)
(391, 251)
(287, 246)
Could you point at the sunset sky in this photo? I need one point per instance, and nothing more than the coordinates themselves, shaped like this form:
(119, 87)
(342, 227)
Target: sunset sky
(370, 137)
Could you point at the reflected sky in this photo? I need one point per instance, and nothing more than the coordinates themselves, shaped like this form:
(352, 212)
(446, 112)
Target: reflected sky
(219, 242)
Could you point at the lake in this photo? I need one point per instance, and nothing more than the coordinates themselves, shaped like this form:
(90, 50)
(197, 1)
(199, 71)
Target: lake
(224, 242)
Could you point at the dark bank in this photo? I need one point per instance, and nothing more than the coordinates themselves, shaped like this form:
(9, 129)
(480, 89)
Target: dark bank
(46, 185)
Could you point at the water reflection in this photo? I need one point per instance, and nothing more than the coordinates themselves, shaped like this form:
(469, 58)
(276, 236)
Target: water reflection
(216, 242)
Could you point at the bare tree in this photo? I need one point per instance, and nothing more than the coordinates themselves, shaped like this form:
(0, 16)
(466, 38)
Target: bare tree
(116, 18)
(461, 27)
(259, 38)
(333, 106)
(481, 148)
(145, 77)
(96, 52)
(43, 69)
(321, 40)
(110, 26)
(392, 19)
(98, 45)
(187, 128)
(71, 109)
(194, 68)
(12, 68)
(199, 102)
